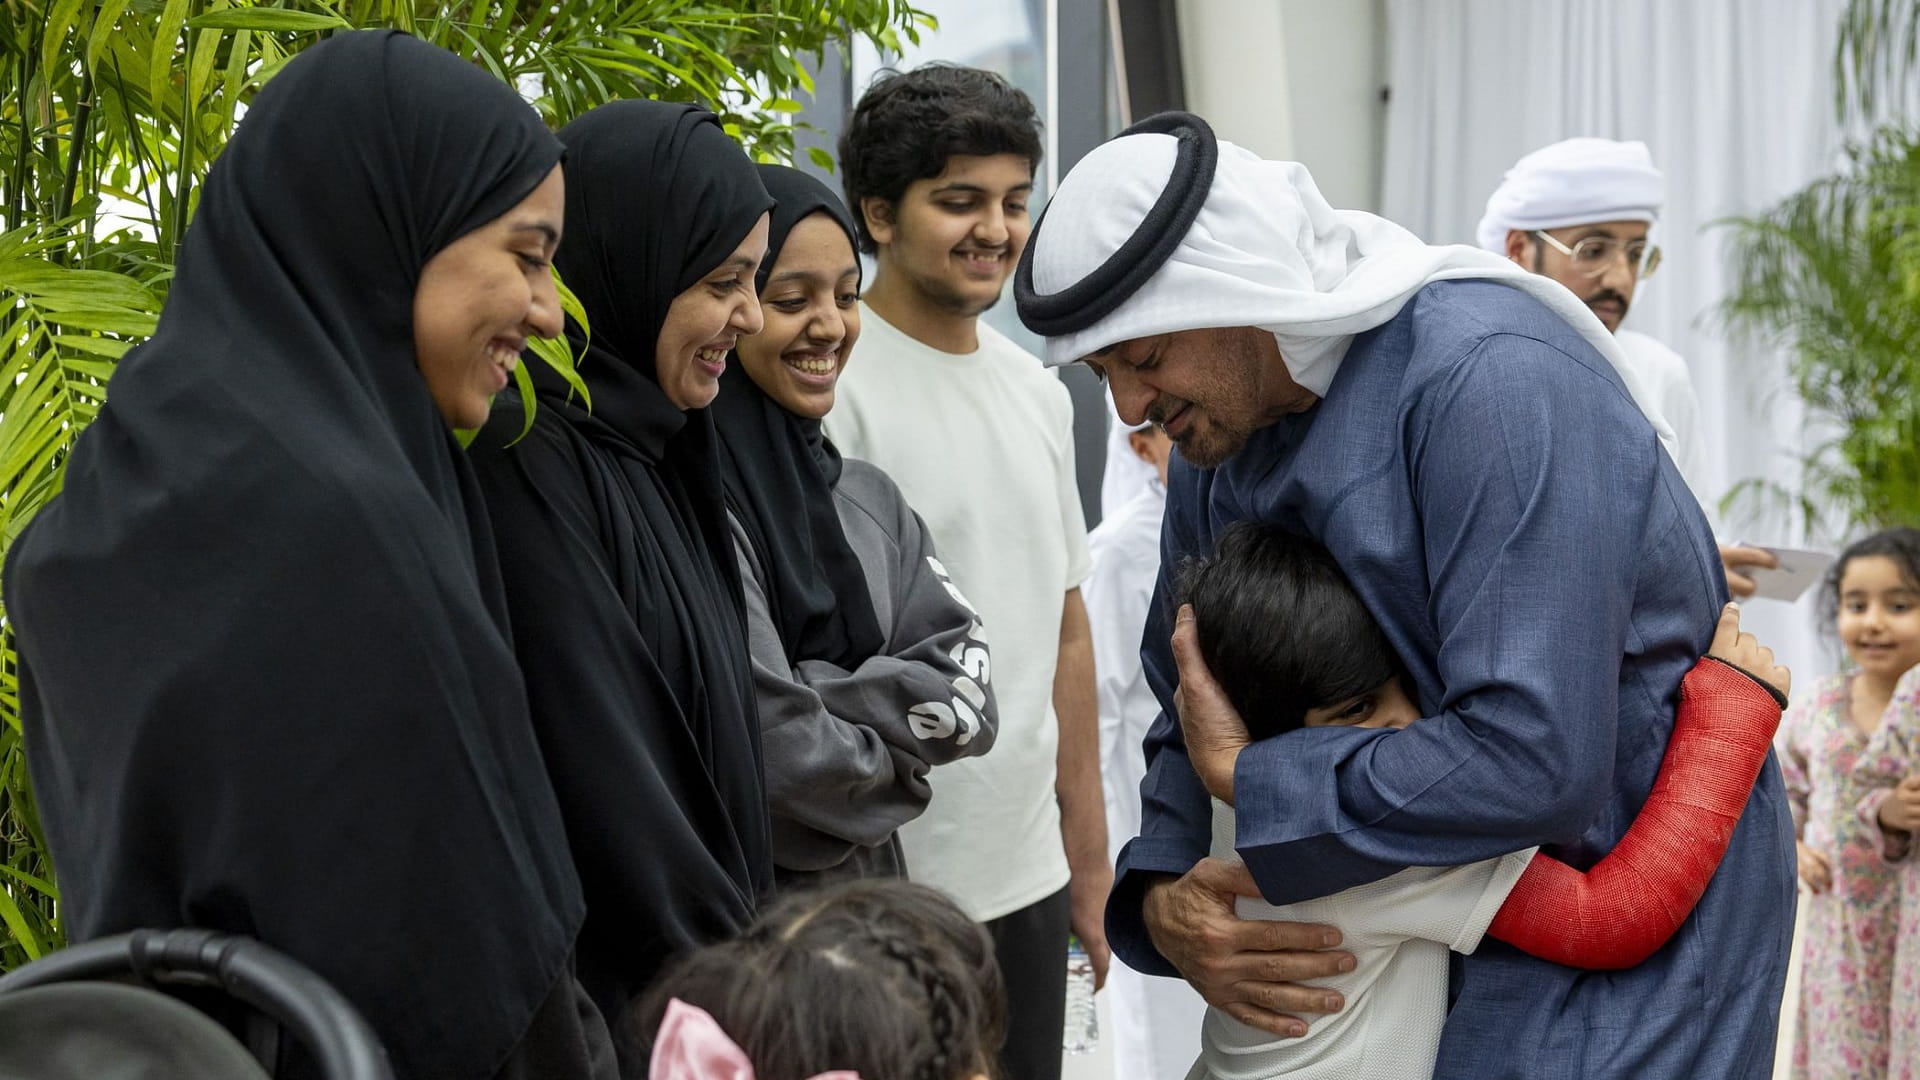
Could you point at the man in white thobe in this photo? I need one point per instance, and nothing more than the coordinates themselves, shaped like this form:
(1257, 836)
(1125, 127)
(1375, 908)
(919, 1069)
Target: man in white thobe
(1155, 1020)
(1580, 212)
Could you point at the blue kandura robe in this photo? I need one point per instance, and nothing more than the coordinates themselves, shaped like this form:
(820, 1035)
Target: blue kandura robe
(1505, 511)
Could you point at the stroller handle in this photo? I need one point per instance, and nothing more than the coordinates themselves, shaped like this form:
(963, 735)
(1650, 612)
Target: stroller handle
(343, 1043)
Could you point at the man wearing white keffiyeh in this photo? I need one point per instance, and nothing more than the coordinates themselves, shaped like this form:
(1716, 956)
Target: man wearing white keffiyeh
(1581, 212)
(1466, 440)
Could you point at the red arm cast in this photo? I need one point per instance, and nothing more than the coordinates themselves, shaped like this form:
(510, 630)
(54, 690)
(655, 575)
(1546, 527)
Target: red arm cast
(1618, 913)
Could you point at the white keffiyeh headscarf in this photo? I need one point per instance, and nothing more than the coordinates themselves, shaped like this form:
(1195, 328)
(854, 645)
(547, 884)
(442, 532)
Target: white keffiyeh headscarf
(1266, 250)
(1573, 182)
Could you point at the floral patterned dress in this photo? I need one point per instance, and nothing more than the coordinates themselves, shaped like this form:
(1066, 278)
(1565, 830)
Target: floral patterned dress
(1846, 978)
(1892, 754)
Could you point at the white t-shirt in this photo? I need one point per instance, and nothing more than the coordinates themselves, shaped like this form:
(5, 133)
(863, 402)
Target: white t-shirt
(1664, 374)
(1399, 930)
(981, 445)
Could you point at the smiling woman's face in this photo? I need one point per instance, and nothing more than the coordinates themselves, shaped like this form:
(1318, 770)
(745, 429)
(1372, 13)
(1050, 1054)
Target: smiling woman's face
(481, 297)
(705, 321)
(812, 312)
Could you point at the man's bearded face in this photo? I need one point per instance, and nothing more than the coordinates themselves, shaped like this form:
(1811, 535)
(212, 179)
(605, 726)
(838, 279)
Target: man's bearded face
(1610, 292)
(1210, 390)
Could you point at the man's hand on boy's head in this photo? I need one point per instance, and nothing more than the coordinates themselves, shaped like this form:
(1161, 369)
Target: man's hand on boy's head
(1209, 723)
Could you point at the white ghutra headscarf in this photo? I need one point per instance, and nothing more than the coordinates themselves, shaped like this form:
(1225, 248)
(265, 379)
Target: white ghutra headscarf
(1573, 182)
(1265, 250)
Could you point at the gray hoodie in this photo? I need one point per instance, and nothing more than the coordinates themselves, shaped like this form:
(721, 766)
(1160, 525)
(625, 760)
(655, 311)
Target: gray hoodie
(848, 752)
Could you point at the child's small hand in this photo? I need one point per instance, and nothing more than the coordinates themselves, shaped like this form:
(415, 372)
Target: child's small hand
(1814, 868)
(1901, 809)
(1745, 652)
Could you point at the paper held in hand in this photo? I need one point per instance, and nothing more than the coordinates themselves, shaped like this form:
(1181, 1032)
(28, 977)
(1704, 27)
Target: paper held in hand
(1799, 571)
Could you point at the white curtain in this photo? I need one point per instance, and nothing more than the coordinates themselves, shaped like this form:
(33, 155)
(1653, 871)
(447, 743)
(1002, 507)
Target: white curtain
(1733, 97)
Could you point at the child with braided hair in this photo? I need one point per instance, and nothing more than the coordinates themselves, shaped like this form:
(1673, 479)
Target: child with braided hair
(874, 978)
(1292, 646)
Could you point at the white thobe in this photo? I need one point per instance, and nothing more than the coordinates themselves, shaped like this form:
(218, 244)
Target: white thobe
(1664, 373)
(1156, 1021)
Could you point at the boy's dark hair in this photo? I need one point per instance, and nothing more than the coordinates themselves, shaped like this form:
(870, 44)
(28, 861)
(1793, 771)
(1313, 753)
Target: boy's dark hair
(1280, 628)
(881, 976)
(909, 123)
(1901, 544)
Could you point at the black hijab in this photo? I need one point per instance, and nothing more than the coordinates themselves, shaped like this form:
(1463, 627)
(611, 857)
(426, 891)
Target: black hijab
(267, 683)
(620, 569)
(779, 470)
(657, 197)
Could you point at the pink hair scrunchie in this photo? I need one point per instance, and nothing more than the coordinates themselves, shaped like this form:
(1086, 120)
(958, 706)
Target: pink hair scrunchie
(692, 1046)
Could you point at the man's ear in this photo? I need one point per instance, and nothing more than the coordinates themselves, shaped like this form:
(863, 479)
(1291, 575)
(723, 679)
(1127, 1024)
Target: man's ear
(878, 214)
(1517, 242)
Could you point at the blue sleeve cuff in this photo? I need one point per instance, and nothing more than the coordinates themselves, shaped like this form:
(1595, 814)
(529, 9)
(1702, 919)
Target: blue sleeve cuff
(1141, 863)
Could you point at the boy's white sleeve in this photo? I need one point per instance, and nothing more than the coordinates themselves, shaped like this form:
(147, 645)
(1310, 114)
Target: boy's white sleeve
(1452, 905)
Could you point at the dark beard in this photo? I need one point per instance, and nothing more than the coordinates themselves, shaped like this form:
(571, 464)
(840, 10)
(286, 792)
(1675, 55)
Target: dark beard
(1211, 445)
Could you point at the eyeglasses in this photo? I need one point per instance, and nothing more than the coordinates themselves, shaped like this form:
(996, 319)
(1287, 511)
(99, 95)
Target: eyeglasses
(1594, 254)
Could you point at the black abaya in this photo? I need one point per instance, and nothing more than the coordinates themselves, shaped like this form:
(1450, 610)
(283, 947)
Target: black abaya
(267, 680)
(619, 568)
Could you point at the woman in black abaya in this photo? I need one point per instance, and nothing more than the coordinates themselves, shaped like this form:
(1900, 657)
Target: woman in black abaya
(615, 550)
(267, 680)
(868, 667)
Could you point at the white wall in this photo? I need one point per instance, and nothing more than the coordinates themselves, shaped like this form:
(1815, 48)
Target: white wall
(1336, 65)
(1293, 79)
(1236, 71)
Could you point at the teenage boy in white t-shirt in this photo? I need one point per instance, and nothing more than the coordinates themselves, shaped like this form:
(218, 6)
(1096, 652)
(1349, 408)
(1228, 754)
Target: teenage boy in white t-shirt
(938, 165)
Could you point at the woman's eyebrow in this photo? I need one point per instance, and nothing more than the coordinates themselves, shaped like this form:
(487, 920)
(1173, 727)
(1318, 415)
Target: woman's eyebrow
(551, 234)
(789, 275)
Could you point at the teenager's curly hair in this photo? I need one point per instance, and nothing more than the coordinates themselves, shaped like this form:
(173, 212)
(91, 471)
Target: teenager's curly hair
(908, 124)
(881, 976)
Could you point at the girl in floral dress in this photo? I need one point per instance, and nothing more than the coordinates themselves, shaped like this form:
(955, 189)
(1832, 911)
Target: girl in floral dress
(1890, 770)
(1844, 753)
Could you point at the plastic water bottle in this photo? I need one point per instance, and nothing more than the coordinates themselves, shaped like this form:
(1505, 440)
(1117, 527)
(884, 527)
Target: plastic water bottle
(1083, 1022)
